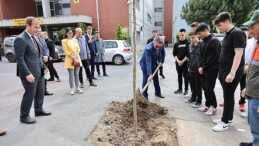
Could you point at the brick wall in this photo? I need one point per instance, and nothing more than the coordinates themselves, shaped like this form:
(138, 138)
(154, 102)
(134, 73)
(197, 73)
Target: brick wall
(111, 14)
(26, 8)
(168, 20)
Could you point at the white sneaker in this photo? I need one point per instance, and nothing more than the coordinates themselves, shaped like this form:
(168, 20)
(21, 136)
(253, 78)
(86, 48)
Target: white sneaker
(244, 115)
(79, 91)
(189, 95)
(72, 92)
(203, 109)
(221, 126)
(211, 111)
(217, 121)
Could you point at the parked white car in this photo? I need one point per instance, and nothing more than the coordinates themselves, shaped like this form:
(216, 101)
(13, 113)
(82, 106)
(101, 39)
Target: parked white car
(117, 51)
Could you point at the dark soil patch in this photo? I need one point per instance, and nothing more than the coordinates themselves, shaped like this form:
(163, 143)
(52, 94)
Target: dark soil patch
(154, 127)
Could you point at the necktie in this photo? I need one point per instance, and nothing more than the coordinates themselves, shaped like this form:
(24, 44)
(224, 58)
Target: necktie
(36, 44)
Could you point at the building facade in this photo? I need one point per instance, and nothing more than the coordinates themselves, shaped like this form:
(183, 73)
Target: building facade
(104, 15)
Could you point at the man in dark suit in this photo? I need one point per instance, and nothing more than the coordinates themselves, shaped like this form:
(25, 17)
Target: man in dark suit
(91, 45)
(44, 51)
(161, 52)
(51, 47)
(149, 62)
(30, 69)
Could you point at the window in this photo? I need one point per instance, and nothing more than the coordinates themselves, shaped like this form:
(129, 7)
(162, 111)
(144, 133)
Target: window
(9, 43)
(138, 5)
(148, 18)
(159, 9)
(39, 9)
(126, 44)
(66, 5)
(110, 44)
(58, 9)
(137, 36)
(158, 24)
(55, 8)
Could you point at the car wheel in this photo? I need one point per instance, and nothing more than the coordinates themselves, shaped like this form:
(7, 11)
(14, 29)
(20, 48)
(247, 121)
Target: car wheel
(118, 60)
(11, 58)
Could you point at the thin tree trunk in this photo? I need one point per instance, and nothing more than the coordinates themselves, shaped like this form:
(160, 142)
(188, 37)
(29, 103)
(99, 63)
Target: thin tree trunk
(134, 68)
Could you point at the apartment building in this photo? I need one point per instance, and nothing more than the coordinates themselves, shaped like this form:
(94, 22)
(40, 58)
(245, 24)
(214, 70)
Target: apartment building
(104, 15)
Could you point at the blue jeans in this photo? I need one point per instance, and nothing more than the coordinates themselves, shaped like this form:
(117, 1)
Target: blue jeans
(253, 119)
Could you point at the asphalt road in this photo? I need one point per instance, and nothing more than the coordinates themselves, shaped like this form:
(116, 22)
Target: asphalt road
(75, 117)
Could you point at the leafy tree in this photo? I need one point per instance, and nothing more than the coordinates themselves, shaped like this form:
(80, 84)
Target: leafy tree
(207, 10)
(62, 33)
(82, 26)
(121, 34)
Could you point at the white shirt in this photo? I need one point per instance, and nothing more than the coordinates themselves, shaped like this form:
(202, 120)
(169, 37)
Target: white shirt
(30, 37)
(250, 45)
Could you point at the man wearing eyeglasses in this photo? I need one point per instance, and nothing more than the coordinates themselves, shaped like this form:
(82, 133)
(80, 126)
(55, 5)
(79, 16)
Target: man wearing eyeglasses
(149, 62)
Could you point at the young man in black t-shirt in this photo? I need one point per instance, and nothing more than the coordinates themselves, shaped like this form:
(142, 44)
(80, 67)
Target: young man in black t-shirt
(180, 54)
(231, 66)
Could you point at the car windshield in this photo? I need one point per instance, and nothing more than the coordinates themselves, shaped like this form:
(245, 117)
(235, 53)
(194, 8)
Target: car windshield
(126, 44)
(110, 44)
(9, 42)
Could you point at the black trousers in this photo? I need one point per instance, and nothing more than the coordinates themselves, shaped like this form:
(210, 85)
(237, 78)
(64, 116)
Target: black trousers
(98, 67)
(52, 71)
(45, 80)
(182, 72)
(228, 94)
(87, 71)
(161, 70)
(33, 91)
(195, 83)
(242, 86)
(92, 63)
(208, 80)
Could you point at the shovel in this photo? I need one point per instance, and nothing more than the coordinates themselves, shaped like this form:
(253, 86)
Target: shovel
(145, 87)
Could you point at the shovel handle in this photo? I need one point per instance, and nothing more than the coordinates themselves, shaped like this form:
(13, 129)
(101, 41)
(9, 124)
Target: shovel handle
(145, 87)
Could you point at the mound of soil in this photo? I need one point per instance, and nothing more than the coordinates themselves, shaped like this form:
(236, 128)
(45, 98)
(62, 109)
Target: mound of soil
(154, 127)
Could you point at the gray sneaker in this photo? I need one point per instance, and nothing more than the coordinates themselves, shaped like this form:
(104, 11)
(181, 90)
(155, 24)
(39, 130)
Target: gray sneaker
(82, 85)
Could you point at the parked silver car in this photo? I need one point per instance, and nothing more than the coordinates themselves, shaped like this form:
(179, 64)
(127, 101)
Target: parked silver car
(219, 36)
(10, 54)
(117, 51)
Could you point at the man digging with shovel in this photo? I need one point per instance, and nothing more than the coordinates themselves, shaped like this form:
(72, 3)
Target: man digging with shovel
(150, 60)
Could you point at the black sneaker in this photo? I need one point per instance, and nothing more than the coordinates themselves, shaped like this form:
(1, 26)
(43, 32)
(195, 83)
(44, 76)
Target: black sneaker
(185, 92)
(162, 76)
(178, 91)
(197, 105)
(159, 95)
(246, 144)
(189, 101)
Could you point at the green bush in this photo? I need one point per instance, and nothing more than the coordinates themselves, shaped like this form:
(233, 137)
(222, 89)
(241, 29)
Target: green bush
(121, 34)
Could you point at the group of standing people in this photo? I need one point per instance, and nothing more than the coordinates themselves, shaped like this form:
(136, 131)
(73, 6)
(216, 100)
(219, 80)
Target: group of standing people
(34, 54)
(81, 52)
(208, 59)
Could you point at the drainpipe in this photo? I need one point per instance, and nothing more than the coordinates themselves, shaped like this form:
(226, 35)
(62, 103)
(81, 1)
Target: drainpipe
(97, 15)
